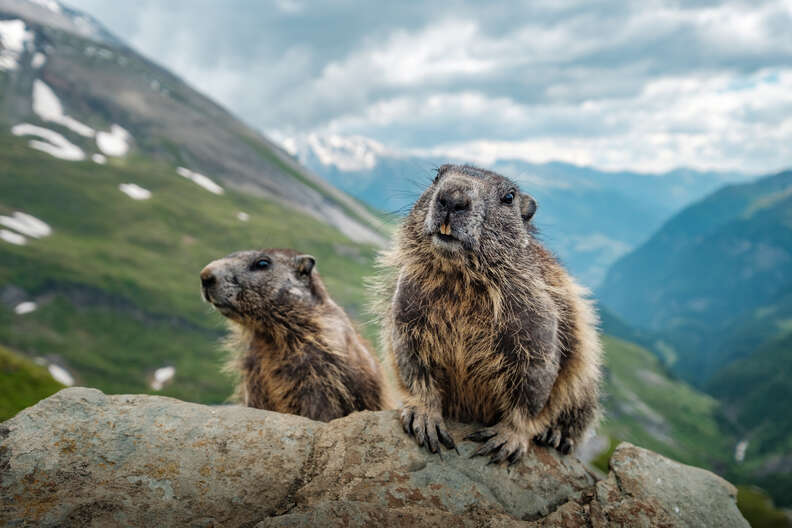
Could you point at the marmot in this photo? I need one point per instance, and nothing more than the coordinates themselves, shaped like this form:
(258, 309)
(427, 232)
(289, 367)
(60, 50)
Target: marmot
(296, 349)
(483, 324)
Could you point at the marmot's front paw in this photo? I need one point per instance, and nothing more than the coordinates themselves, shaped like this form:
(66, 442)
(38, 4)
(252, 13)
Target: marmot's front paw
(553, 437)
(426, 427)
(501, 443)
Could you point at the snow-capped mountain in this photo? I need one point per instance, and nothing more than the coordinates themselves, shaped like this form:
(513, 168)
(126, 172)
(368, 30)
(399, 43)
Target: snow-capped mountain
(346, 153)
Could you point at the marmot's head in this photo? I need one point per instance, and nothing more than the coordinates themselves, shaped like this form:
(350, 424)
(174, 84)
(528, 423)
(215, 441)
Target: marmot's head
(254, 288)
(469, 209)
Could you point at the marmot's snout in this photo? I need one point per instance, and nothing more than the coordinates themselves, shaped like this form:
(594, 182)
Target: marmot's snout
(454, 215)
(214, 285)
(453, 200)
(207, 278)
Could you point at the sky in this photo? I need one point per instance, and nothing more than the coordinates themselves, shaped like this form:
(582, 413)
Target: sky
(646, 86)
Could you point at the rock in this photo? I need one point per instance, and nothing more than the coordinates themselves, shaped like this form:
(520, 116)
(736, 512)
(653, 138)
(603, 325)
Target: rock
(81, 458)
(646, 489)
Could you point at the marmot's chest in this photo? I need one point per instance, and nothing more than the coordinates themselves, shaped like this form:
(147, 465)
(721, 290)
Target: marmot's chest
(460, 317)
(464, 367)
(459, 338)
(462, 349)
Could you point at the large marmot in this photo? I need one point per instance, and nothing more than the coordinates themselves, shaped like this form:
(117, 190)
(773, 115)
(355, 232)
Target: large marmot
(296, 349)
(483, 323)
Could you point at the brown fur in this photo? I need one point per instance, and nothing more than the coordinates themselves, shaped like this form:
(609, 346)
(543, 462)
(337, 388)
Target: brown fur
(492, 330)
(294, 350)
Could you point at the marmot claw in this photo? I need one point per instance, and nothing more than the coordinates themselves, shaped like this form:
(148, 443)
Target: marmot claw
(500, 445)
(428, 429)
(555, 439)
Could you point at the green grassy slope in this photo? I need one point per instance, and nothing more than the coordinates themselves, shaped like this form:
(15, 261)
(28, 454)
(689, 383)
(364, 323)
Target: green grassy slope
(757, 392)
(646, 407)
(759, 510)
(22, 383)
(117, 281)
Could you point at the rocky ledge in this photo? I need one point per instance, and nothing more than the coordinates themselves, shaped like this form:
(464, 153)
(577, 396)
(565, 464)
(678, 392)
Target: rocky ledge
(81, 458)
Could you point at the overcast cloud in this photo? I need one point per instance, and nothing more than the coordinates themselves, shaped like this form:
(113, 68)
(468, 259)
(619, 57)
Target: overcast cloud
(645, 86)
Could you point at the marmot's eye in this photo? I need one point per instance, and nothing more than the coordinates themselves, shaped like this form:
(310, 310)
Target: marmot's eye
(508, 198)
(261, 264)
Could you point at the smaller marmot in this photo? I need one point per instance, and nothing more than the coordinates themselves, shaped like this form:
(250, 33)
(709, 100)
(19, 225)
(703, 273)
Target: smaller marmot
(484, 325)
(295, 349)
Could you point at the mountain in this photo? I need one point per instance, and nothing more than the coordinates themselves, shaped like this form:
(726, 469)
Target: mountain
(588, 217)
(118, 183)
(715, 280)
(711, 293)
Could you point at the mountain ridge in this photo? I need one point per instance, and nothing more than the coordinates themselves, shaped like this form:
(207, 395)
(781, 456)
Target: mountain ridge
(740, 236)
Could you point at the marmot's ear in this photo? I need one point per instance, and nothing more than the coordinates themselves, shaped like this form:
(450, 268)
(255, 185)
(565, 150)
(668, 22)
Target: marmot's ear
(305, 264)
(527, 206)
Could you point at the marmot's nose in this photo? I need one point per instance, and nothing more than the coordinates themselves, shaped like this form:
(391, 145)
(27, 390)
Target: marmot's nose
(453, 200)
(207, 277)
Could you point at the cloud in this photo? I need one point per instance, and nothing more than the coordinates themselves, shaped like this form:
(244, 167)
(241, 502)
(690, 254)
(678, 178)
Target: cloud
(646, 86)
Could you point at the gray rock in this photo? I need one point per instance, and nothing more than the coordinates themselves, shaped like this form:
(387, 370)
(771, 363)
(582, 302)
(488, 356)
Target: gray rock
(80, 458)
(646, 489)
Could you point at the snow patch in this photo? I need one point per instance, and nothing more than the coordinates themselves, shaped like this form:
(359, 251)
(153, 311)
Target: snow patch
(348, 153)
(98, 158)
(201, 180)
(26, 224)
(135, 191)
(102, 53)
(25, 308)
(12, 238)
(14, 38)
(48, 107)
(61, 375)
(52, 5)
(38, 60)
(162, 376)
(243, 216)
(114, 143)
(55, 144)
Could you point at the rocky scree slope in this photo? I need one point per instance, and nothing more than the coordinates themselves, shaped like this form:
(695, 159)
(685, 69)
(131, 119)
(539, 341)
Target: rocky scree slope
(82, 458)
